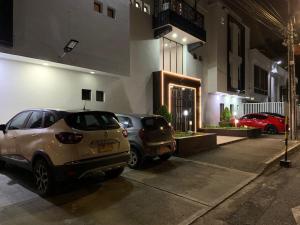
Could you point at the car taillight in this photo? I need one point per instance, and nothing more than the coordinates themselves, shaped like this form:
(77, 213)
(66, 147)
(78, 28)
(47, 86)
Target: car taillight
(69, 138)
(142, 134)
(125, 133)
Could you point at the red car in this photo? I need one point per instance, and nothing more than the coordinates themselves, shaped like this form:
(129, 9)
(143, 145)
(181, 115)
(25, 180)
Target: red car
(271, 123)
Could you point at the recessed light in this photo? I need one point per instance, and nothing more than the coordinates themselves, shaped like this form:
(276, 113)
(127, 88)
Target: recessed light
(184, 39)
(92, 72)
(174, 35)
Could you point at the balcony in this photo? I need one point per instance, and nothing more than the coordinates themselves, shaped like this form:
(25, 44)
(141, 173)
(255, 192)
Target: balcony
(178, 14)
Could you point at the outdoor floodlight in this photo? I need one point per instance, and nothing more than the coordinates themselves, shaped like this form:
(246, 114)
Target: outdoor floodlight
(70, 46)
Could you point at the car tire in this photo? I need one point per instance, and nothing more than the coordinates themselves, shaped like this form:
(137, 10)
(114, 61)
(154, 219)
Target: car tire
(165, 157)
(114, 173)
(271, 129)
(136, 159)
(43, 177)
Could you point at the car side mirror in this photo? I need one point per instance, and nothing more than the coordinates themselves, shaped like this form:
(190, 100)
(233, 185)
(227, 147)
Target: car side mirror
(3, 128)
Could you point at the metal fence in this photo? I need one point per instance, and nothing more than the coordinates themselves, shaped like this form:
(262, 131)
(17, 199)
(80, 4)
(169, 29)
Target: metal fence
(272, 107)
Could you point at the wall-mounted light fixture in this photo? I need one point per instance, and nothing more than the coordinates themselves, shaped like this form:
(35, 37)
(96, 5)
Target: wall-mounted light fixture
(69, 47)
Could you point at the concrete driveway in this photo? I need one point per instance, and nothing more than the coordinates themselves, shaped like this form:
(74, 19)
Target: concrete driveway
(173, 192)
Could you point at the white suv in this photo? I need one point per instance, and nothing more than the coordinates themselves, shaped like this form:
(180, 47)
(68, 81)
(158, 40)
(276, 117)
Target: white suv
(56, 145)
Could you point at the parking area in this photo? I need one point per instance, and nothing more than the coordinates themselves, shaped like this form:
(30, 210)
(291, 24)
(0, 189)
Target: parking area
(172, 192)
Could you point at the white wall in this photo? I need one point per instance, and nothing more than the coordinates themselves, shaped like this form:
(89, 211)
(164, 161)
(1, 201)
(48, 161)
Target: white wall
(277, 80)
(25, 85)
(42, 29)
(212, 115)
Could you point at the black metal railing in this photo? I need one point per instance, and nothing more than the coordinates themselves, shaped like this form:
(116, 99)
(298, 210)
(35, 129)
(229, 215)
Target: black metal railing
(179, 13)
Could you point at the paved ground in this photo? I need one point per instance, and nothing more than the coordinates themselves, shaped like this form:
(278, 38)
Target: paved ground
(173, 192)
(221, 140)
(272, 199)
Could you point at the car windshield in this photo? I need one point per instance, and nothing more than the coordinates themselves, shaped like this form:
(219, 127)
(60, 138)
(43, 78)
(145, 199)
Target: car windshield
(92, 121)
(154, 123)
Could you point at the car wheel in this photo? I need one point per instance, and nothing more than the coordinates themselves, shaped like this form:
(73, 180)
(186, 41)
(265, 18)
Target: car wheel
(136, 160)
(43, 177)
(114, 173)
(165, 157)
(271, 129)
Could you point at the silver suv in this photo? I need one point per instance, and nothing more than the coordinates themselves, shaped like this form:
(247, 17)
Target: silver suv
(149, 136)
(56, 145)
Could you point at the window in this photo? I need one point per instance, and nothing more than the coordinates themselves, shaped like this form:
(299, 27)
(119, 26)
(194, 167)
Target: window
(171, 56)
(231, 109)
(154, 123)
(98, 6)
(125, 121)
(49, 119)
(111, 12)
(86, 94)
(230, 38)
(35, 120)
(6, 22)
(92, 121)
(100, 97)
(18, 122)
(239, 44)
(221, 110)
(260, 80)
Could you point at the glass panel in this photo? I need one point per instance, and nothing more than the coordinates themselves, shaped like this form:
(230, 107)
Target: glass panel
(19, 121)
(173, 57)
(35, 120)
(183, 108)
(179, 59)
(167, 55)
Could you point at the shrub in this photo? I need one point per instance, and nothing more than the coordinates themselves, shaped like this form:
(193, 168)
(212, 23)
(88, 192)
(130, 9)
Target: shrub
(163, 111)
(225, 118)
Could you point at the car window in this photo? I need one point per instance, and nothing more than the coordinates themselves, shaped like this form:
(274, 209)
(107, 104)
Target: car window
(92, 121)
(260, 117)
(49, 119)
(35, 120)
(18, 122)
(154, 123)
(125, 121)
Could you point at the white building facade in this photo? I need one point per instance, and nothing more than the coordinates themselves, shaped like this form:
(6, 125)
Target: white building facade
(125, 62)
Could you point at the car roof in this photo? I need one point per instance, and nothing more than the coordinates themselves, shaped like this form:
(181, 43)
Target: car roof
(140, 116)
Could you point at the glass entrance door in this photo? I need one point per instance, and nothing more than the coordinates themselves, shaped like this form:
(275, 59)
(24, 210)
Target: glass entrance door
(183, 102)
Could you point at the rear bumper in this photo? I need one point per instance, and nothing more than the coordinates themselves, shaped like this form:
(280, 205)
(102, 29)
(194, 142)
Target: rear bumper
(155, 149)
(82, 168)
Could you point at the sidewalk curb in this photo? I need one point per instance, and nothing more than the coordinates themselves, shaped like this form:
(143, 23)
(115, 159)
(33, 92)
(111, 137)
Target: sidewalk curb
(231, 142)
(267, 165)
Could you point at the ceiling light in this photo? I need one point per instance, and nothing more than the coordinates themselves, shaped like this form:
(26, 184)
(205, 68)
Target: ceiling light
(166, 45)
(184, 39)
(92, 72)
(45, 64)
(279, 62)
(174, 35)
